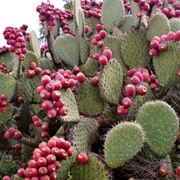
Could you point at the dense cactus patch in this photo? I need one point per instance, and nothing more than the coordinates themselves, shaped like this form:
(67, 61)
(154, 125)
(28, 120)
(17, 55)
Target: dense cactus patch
(99, 99)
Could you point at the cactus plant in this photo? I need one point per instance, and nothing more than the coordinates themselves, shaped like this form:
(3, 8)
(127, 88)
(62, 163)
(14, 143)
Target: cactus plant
(119, 141)
(160, 123)
(111, 81)
(77, 100)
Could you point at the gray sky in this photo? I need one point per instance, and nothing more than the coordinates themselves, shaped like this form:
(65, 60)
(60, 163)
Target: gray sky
(17, 12)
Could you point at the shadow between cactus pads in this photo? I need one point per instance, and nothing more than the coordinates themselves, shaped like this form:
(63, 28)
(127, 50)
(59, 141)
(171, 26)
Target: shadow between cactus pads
(119, 142)
(160, 124)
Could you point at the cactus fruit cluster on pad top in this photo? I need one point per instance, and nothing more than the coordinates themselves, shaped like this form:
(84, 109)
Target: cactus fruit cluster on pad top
(96, 97)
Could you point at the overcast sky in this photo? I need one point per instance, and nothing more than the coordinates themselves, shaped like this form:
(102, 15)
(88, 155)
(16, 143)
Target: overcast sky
(17, 12)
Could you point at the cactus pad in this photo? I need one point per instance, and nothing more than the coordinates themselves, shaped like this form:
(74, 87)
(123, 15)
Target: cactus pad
(81, 22)
(110, 82)
(90, 68)
(119, 142)
(84, 50)
(45, 63)
(34, 43)
(88, 99)
(67, 49)
(166, 65)
(7, 165)
(112, 13)
(174, 24)
(158, 25)
(160, 124)
(135, 48)
(71, 105)
(27, 88)
(10, 60)
(29, 57)
(95, 169)
(7, 85)
(115, 45)
(7, 116)
(127, 23)
(84, 134)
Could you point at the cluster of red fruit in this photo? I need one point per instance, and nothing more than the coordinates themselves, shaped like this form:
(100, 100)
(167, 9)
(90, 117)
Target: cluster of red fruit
(63, 18)
(173, 10)
(3, 103)
(49, 15)
(138, 78)
(42, 125)
(91, 8)
(34, 70)
(178, 173)
(146, 5)
(159, 44)
(13, 133)
(45, 160)
(4, 49)
(44, 48)
(51, 84)
(98, 42)
(17, 39)
(127, 5)
(3, 68)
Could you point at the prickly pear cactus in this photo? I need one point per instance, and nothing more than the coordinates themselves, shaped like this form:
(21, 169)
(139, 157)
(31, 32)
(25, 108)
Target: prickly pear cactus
(112, 14)
(111, 81)
(160, 123)
(95, 96)
(119, 141)
(94, 169)
(135, 48)
(162, 28)
(67, 49)
(71, 105)
(166, 65)
(89, 100)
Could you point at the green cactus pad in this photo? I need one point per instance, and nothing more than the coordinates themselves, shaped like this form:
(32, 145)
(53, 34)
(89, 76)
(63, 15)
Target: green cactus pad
(127, 23)
(71, 105)
(114, 44)
(112, 13)
(7, 116)
(7, 165)
(7, 85)
(25, 119)
(45, 63)
(122, 143)
(135, 48)
(158, 25)
(160, 124)
(84, 135)
(110, 82)
(166, 65)
(29, 57)
(27, 88)
(55, 30)
(95, 169)
(34, 43)
(174, 24)
(67, 48)
(84, 50)
(81, 22)
(89, 100)
(64, 171)
(10, 60)
(76, 6)
(90, 68)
